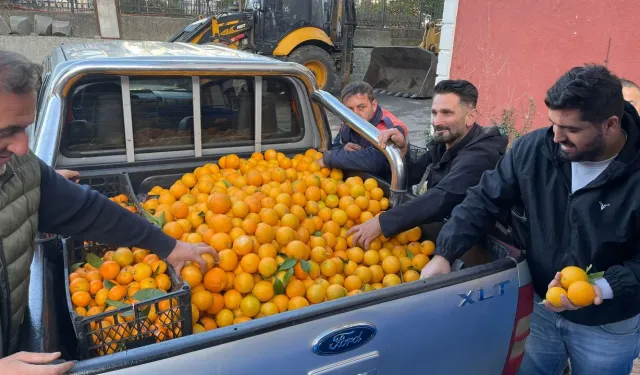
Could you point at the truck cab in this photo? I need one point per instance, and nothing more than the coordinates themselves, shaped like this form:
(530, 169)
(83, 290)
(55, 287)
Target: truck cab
(148, 112)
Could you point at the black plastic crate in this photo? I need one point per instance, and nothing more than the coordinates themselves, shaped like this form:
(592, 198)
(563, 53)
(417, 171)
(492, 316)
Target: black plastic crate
(127, 326)
(113, 186)
(164, 181)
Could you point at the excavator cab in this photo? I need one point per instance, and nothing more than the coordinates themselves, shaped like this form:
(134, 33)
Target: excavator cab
(315, 33)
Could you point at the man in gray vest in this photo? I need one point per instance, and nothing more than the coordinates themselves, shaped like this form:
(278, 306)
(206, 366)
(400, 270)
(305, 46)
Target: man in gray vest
(33, 197)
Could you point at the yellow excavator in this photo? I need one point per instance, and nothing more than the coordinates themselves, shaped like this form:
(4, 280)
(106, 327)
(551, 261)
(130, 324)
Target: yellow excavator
(408, 72)
(315, 33)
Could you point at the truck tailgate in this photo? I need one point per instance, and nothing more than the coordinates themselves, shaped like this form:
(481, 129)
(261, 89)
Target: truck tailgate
(416, 326)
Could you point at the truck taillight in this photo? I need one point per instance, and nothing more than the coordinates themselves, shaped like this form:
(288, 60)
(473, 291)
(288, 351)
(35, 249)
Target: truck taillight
(520, 330)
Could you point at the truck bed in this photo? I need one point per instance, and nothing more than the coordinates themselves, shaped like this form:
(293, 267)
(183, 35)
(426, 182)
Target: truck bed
(419, 314)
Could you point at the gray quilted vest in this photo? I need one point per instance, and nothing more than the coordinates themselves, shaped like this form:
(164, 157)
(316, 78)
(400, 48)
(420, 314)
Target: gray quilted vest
(19, 205)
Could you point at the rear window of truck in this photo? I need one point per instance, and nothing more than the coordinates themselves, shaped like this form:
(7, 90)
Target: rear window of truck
(162, 114)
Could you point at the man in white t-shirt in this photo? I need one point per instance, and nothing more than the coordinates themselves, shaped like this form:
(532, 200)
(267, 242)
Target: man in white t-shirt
(577, 183)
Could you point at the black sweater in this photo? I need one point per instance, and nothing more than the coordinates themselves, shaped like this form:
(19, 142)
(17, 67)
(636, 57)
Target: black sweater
(452, 172)
(70, 209)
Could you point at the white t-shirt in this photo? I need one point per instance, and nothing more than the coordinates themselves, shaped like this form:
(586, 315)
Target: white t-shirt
(583, 172)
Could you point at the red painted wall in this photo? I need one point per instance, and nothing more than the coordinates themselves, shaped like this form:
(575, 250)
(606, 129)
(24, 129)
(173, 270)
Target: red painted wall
(514, 50)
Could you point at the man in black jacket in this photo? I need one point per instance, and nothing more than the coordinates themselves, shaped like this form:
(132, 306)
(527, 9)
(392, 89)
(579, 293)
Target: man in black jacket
(578, 183)
(460, 152)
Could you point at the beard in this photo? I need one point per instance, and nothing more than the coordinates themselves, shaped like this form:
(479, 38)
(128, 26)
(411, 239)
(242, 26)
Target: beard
(448, 135)
(590, 152)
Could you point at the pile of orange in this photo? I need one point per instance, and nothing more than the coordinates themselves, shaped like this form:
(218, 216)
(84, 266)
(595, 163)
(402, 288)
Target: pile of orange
(123, 201)
(576, 286)
(279, 225)
(107, 283)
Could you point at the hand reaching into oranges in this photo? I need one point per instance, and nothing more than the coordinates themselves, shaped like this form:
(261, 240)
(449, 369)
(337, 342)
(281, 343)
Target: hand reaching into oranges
(366, 232)
(572, 289)
(187, 252)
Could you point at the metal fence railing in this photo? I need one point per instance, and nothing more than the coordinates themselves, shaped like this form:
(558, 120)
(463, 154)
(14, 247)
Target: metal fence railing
(371, 13)
(397, 13)
(67, 6)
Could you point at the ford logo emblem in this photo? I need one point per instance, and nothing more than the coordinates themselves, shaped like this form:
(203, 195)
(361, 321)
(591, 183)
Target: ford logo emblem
(344, 339)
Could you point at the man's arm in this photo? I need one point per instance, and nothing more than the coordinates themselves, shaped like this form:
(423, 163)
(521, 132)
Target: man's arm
(368, 159)
(438, 202)
(498, 189)
(622, 281)
(70, 209)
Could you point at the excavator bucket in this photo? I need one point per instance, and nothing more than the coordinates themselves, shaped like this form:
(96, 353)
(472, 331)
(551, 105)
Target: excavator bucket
(408, 72)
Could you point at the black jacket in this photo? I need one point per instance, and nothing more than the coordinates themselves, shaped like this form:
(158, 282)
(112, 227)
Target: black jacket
(451, 173)
(597, 225)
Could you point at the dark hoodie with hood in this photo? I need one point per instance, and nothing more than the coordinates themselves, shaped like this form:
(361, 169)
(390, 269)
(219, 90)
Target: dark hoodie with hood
(445, 176)
(598, 225)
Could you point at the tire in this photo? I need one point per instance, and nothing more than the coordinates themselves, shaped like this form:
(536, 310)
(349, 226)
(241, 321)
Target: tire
(317, 59)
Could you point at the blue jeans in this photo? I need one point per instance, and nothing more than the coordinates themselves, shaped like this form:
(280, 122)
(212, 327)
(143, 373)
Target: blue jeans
(608, 349)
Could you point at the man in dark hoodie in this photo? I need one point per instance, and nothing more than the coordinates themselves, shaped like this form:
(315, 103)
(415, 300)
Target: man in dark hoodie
(578, 184)
(461, 150)
(351, 151)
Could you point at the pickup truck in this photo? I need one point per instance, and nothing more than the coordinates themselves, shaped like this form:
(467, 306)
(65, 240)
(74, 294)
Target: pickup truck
(151, 109)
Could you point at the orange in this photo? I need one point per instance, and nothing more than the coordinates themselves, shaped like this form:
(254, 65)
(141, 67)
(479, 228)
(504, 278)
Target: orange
(192, 275)
(164, 282)
(267, 267)
(364, 274)
(335, 291)
(554, 296)
(138, 255)
(391, 265)
(371, 258)
(250, 306)
(124, 277)
(159, 266)
(297, 302)
(202, 299)
(352, 282)
(296, 249)
(123, 256)
(243, 282)
(208, 323)
(581, 293)
(173, 230)
(391, 280)
(419, 261)
(79, 285)
(101, 297)
(142, 271)
(328, 268)
(117, 293)
(221, 223)
(267, 250)
(295, 288)
(572, 274)
(243, 245)
(232, 299)
(316, 293)
(215, 280)
(109, 270)
(228, 260)
(221, 241)
(414, 234)
(355, 254)
(218, 304)
(81, 299)
(180, 210)
(219, 203)
(263, 290)
(269, 308)
(318, 254)
(410, 275)
(148, 283)
(189, 180)
(224, 318)
(250, 262)
(377, 273)
(282, 301)
(265, 233)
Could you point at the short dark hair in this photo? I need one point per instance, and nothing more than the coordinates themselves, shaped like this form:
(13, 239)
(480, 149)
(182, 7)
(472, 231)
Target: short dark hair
(628, 83)
(592, 89)
(357, 88)
(465, 90)
(18, 75)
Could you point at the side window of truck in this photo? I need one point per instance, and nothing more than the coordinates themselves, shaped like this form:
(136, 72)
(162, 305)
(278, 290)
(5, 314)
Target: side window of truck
(162, 114)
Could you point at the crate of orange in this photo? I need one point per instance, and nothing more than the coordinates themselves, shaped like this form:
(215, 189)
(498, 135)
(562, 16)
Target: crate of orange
(117, 187)
(122, 298)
